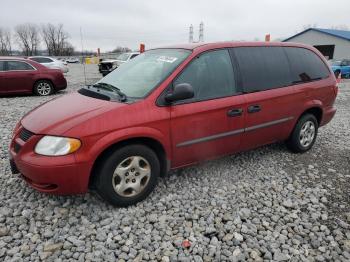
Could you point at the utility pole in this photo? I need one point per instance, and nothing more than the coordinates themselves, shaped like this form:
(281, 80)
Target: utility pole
(190, 39)
(201, 32)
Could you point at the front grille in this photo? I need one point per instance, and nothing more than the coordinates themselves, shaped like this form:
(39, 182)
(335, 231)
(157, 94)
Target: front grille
(25, 134)
(16, 147)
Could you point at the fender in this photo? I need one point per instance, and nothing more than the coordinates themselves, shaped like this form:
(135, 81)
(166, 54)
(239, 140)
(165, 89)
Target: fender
(315, 103)
(124, 134)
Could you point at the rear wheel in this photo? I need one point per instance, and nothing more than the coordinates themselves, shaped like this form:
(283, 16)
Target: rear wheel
(43, 88)
(128, 175)
(304, 134)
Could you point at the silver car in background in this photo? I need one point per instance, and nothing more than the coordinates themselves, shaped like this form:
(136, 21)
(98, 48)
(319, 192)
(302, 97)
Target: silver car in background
(51, 62)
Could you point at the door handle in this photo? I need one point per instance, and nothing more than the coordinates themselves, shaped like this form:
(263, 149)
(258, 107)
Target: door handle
(234, 112)
(254, 109)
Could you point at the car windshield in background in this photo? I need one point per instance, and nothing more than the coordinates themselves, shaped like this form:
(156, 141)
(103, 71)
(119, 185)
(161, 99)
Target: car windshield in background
(336, 63)
(143, 73)
(123, 57)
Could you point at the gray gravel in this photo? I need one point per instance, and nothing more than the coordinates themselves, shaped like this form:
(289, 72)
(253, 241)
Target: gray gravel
(265, 204)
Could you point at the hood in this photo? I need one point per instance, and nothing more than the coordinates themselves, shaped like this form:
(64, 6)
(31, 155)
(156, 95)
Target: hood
(59, 115)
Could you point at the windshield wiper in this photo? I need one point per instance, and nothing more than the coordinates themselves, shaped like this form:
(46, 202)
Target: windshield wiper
(112, 88)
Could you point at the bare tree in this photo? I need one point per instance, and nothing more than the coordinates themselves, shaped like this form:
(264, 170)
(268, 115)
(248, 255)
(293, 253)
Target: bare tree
(68, 49)
(5, 42)
(27, 36)
(55, 39)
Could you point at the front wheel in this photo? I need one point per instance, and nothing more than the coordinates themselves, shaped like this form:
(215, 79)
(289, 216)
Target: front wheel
(128, 175)
(43, 88)
(304, 134)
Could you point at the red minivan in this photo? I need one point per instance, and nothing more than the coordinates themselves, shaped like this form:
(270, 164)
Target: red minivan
(169, 108)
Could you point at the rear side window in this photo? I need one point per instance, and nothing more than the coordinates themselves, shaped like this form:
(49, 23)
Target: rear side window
(211, 75)
(18, 66)
(2, 65)
(262, 68)
(42, 59)
(305, 65)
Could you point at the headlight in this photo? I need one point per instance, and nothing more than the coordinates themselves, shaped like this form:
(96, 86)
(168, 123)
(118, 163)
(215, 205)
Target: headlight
(57, 146)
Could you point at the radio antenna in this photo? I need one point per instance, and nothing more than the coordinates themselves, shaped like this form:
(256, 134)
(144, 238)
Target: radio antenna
(82, 53)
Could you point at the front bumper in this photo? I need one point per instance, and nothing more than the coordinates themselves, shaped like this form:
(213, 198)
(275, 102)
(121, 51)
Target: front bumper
(105, 69)
(55, 175)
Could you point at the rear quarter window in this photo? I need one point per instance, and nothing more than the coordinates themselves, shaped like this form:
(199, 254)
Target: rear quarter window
(305, 65)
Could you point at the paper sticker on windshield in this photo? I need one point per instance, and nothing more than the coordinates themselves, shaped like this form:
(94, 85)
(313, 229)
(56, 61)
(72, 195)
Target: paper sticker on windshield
(167, 59)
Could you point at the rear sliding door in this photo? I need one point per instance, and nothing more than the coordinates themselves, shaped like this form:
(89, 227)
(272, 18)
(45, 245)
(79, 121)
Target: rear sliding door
(270, 98)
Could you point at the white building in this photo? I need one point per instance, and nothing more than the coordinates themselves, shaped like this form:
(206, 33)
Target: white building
(333, 44)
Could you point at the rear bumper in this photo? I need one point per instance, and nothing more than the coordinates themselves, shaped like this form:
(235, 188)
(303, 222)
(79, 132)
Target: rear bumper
(62, 84)
(328, 115)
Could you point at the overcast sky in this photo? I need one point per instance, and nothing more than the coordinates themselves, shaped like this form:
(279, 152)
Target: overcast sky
(110, 23)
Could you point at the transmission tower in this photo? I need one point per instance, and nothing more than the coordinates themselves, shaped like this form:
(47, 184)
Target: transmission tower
(190, 39)
(201, 32)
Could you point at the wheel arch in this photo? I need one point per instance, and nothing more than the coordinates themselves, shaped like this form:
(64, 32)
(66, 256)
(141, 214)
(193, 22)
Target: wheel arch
(152, 143)
(316, 111)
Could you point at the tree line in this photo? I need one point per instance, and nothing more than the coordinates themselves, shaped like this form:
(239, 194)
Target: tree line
(29, 38)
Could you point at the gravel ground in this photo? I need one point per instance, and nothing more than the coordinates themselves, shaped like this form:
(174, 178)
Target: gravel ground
(260, 205)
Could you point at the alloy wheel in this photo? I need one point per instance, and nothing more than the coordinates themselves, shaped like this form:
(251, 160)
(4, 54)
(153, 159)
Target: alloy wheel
(43, 89)
(131, 176)
(307, 134)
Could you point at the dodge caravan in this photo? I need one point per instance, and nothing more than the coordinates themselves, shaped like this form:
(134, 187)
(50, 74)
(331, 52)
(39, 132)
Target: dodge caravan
(173, 107)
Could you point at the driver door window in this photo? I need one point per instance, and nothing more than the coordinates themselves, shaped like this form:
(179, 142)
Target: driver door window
(210, 75)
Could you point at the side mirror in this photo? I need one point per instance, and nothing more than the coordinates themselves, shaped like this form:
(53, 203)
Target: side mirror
(180, 92)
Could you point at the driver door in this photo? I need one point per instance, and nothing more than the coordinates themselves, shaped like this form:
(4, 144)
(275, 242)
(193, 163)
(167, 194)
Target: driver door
(211, 123)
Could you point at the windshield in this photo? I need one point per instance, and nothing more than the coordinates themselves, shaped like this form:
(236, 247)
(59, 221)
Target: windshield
(336, 63)
(123, 57)
(140, 75)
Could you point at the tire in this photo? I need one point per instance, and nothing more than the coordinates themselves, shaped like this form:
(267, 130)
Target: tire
(304, 134)
(128, 175)
(43, 88)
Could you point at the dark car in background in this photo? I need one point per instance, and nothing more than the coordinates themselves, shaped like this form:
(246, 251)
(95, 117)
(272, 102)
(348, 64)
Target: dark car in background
(108, 65)
(24, 76)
